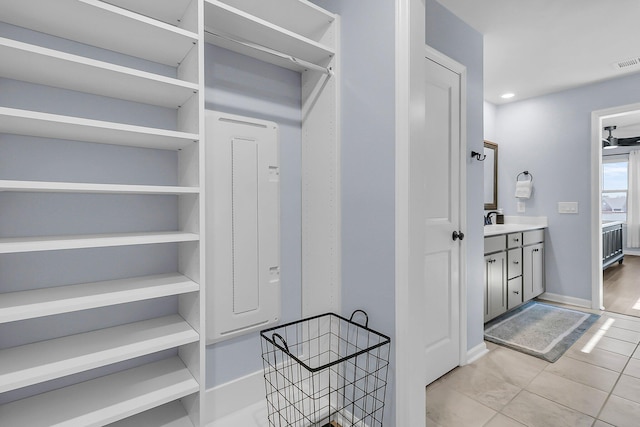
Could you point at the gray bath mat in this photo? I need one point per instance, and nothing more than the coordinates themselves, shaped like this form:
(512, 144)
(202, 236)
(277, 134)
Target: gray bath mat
(538, 329)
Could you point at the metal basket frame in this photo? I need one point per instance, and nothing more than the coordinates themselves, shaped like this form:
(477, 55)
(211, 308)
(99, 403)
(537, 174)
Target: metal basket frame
(325, 370)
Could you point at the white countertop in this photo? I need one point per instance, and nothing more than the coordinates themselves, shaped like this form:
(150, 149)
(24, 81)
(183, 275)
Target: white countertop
(516, 224)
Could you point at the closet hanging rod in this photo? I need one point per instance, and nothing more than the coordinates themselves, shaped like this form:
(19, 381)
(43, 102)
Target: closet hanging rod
(298, 61)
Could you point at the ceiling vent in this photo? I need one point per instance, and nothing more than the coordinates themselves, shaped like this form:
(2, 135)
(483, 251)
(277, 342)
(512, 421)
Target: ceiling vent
(627, 64)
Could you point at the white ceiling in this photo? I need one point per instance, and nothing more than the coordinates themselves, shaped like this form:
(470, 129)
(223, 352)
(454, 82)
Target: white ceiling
(534, 47)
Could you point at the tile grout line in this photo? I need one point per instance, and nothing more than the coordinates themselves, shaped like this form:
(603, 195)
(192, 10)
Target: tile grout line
(616, 383)
(595, 418)
(516, 395)
(520, 389)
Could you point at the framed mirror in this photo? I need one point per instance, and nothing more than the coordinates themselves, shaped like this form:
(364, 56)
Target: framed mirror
(490, 175)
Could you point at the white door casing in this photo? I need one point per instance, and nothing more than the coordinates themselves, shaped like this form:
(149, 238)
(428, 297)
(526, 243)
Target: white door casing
(596, 196)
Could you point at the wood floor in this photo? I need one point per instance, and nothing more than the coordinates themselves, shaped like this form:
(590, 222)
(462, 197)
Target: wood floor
(622, 287)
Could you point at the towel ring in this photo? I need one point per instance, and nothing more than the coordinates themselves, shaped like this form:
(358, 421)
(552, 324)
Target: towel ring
(526, 174)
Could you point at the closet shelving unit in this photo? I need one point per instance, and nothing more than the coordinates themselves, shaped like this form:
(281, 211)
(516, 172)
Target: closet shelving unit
(161, 393)
(294, 34)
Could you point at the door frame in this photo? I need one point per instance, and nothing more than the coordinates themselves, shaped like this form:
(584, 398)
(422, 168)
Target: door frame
(410, 390)
(596, 193)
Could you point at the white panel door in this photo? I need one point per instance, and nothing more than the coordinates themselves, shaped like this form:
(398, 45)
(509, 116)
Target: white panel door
(441, 209)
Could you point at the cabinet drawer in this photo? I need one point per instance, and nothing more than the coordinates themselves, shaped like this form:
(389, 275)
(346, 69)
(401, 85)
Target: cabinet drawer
(533, 236)
(514, 262)
(494, 244)
(514, 292)
(514, 240)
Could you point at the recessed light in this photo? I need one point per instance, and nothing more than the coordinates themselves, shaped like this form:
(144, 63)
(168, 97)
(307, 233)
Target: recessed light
(507, 95)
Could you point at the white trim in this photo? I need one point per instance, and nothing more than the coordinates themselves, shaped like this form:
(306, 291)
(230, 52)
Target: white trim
(410, 390)
(596, 191)
(476, 353)
(436, 56)
(254, 415)
(410, 385)
(234, 396)
(563, 299)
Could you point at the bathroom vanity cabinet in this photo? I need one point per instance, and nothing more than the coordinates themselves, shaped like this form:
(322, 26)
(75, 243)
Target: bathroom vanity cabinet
(514, 269)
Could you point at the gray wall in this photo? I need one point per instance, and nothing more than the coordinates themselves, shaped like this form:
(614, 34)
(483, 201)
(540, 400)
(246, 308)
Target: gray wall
(550, 136)
(368, 165)
(490, 121)
(238, 84)
(451, 36)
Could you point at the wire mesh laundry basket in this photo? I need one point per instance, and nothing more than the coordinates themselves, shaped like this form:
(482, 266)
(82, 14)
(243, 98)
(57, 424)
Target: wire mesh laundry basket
(325, 371)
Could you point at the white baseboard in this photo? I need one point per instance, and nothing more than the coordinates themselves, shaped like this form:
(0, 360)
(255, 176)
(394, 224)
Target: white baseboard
(476, 352)
(234, 396)
(251, 416)
(563, 299)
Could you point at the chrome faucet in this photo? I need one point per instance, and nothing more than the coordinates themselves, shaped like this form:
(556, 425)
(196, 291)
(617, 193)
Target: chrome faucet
(487, 218)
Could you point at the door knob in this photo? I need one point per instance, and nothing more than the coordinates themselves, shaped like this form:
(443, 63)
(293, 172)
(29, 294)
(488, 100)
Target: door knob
(457, 235)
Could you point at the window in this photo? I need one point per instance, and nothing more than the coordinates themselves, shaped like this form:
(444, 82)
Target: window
(614, 188)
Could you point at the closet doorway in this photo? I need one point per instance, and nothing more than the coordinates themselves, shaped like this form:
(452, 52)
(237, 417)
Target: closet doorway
(614, 288)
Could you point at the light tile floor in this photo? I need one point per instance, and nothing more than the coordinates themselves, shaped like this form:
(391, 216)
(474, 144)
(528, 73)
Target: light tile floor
(596, 383)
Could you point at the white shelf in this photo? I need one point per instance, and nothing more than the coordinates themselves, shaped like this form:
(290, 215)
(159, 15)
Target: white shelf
(150, 394)
(170, 12)
(46, 360)
(106, 399)
(226, 20)
(45, 125)
(90, 188)
(35, 303)
(298, 16)
(103, 25)
(170, 415)
(25, 62)
(10, 245)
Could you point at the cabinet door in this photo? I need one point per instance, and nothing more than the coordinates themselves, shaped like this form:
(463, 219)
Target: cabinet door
(514, 259)
(533, 270)
(514, 240)
(495, 285)
(514, 292)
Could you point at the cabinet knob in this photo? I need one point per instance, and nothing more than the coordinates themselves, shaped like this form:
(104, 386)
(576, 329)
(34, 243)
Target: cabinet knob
(516, 262)
(516, 292)
(515, 239)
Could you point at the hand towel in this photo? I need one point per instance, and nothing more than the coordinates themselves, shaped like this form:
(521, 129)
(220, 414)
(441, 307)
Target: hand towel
(523, 189)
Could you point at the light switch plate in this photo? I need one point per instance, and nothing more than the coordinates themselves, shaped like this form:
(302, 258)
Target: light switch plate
(568, 207)
(520, 207)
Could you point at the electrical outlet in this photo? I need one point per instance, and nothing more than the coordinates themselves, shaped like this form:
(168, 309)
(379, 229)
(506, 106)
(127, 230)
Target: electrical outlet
(520, 207)
(568, 207)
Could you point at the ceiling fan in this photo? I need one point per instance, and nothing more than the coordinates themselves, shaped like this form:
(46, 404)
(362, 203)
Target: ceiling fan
(613, 142)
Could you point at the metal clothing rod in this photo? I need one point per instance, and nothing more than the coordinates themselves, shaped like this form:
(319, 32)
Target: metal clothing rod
(298, 61)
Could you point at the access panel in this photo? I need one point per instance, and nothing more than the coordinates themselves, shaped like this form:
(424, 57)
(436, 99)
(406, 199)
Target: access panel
(242, 225)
